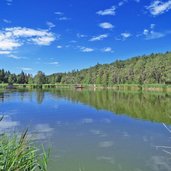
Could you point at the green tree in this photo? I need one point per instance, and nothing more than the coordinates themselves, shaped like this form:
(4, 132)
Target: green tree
(40, 78)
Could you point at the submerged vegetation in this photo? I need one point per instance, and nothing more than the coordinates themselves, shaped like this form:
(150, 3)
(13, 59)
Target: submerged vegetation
(150, 69)
(18, 154)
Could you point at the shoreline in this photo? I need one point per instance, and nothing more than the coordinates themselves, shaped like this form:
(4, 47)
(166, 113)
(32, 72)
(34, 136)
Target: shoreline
(124, 87)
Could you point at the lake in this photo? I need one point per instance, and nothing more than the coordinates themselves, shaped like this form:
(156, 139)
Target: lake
(94, 130)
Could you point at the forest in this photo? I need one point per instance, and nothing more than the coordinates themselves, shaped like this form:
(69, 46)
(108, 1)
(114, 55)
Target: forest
(146, 69)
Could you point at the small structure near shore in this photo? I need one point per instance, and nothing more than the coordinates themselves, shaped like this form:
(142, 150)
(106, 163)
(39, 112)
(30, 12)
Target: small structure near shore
(79, 86)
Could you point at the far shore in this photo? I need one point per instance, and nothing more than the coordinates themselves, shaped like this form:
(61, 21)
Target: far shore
(127, 87)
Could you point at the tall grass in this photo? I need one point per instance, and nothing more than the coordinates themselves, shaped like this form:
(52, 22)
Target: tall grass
(19, 154)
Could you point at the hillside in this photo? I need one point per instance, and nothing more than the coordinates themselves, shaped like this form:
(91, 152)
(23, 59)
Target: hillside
(147, 69)
(151, 69)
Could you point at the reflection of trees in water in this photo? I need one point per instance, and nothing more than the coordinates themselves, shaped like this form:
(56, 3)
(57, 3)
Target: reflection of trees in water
(23, 95)
(152, 107)
(1, 96)
(40, 96)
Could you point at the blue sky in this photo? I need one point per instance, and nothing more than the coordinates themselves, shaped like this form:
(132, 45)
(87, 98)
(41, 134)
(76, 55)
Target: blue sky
(62, 35)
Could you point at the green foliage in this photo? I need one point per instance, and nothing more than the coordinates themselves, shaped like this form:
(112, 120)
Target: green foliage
(40, 78)
(151, 69)
(17, 154)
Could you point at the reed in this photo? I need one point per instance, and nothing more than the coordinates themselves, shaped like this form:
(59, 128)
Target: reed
(19, 154)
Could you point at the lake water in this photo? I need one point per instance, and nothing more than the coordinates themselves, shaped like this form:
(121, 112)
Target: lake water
(89, 130)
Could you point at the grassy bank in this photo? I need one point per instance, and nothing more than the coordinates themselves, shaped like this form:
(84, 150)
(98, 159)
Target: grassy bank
(126, 87)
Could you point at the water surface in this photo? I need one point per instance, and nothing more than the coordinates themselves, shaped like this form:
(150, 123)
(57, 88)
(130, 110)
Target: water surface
(89, 130)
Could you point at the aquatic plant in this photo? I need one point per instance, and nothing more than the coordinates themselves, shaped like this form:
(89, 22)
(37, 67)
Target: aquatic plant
(19, 154)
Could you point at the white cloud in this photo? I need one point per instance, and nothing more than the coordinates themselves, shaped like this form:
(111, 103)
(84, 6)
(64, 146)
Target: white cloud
(12, 38)
(100, 37)
(14, 56)
(26, 68)
(108, 49)
(146, 32)
(85, 49)
(149, 35)
(4, 52)
(54, 63)
(122, 2)
(43, 40)
(81, 35)
(106, 25)
(61, 16)
(9, 44)
(59, 47)
(59, 13)
(64, 18)
(125, 35)
(50, 24)
(6, 21)
(110, 11)
(158, 7)
(28, 32)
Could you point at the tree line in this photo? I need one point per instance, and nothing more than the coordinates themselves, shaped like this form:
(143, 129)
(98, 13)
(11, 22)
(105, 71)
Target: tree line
(146, 69)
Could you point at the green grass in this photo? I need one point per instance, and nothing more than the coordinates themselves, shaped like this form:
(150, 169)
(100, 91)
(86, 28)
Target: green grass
(19, 154)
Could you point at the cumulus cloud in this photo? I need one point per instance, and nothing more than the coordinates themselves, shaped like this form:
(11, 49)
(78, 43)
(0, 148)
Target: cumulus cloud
(12, 38)
(125, 35)
(158, 7)
(106, 25)
(45, 40)
(110, 11)
(50, 24)
(150, 34)
(97, 38)
(108, 49)
(86, 49)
